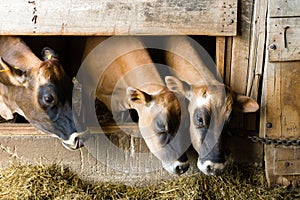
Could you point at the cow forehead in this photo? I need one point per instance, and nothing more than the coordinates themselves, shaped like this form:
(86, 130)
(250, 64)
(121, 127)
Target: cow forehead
(169, 101)
(217, 98)
(51, 71)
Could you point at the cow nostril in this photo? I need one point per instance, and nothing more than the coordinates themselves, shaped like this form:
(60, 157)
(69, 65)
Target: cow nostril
(181, 169)
(209, 169)
(79, 143)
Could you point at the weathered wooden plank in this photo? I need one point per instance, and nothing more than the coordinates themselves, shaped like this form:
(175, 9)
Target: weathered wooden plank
(282, 102)
(228, 60)
(281, 111)
(115, 17)
(280, 8)
(287, 161)
(257, 47)
(284, 39)
(220, 55)
(22, 129)
(240, 49)
(28, 130)
(241, 71)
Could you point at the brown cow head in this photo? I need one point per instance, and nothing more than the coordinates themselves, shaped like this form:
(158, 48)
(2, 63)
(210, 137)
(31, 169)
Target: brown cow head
(159, 123)
(210, 107)
(43, 95)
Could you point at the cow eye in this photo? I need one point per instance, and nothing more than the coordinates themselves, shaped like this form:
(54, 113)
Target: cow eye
(201, 118)
(200, 122)
(160, 126)
(48, 98)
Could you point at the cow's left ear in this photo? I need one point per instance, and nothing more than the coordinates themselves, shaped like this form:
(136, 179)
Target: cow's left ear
(246, 104)
(11, 75)
(48, 54)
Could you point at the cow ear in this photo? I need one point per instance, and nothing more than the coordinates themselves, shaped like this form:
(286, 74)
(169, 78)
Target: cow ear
(5, 111)
(178, 86)
(246, 104)
(137, 96)
(48, 54)
(11, 75)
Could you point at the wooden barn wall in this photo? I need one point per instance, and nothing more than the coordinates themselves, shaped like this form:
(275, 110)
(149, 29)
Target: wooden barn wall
(126, 17)
(280, 107)
(242, 71)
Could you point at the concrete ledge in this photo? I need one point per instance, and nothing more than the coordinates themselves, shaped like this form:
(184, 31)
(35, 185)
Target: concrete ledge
(21, 143)
(135, 165)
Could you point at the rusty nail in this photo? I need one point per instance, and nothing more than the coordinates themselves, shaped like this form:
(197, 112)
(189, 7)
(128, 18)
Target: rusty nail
(269, 125)
(272, 46)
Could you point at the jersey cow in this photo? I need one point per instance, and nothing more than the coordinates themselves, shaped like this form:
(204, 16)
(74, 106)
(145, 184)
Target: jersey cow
(38, 90)
(210, 102)
(131, 81)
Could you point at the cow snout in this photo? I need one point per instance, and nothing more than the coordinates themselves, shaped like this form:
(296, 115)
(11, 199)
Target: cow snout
(176, 167)
(180, 169)
(73, 145)
(210, 168)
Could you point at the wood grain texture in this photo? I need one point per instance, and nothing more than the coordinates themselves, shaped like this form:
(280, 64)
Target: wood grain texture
(221, 55)
(241, 74)
(28, 130)
(281, 108)
(257, 48)
(240, 49)
(284, 39)
(126, 17)
(280, 8)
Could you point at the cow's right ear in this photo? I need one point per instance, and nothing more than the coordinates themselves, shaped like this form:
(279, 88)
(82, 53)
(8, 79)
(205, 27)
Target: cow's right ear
(136, 96)
(11, 75)
(179, 86)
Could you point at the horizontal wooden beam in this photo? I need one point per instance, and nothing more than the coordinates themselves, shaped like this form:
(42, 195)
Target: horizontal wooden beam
(280, 8)
(27, 129)
(126, 17)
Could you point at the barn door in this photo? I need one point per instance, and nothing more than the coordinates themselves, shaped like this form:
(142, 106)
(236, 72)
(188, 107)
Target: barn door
(280, 107)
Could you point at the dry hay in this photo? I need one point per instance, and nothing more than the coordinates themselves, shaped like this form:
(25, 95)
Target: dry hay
(58, 182)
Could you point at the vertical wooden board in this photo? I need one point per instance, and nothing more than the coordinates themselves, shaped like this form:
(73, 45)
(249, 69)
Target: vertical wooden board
(241, 71)
(284, 39)
(257, 47)
(282, 99)
(107, 17)
(281, 108)
(269, 165)
(290, 99)
(220, 55)
(287, 8)
(272, 102)
(240, 49)
(228, 60)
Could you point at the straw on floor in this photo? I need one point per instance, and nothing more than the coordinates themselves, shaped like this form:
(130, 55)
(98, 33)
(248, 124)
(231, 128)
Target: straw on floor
(58, 182)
